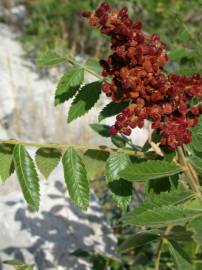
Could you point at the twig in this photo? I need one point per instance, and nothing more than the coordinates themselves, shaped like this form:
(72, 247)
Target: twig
(154, 146)
(72, 61)
(76, 146)
(159, 248)
(190, 173)
(158, 254)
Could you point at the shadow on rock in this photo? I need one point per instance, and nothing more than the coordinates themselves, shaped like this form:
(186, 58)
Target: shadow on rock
(47, 238)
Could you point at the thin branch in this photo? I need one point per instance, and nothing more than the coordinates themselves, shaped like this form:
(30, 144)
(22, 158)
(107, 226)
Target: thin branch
(72, 61)
(154, 146)
(194, 174)
(190, 173)
(158, 254)
(159, 248)
(76, 146)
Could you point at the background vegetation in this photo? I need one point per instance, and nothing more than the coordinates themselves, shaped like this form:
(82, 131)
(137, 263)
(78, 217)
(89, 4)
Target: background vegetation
(60, 25)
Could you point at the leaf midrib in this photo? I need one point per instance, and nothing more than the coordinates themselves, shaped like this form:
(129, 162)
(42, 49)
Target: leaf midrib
(68, 82)
(143, 175)
(24, 176)
(157, 223)
(74, 174)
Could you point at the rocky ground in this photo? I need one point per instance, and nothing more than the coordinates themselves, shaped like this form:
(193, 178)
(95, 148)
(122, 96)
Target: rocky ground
(48, 237)
(26, 100)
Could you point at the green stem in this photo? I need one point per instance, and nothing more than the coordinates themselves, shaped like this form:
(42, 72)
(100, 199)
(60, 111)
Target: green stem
(79, 147)
(159, 248)
(189, 173)
(72, 61)
(158, 254)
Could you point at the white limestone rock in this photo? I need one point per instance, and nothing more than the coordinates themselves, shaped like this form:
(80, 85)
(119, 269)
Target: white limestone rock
(46, 238)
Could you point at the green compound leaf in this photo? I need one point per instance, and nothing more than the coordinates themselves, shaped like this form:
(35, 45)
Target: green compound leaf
(116, 163)
(112, 109)
(76, 179)
(180, 258)
(161, 216)
(174, 197)
(119, 141)
(197, 163)
(50, 58)
(197, 136)
(99, 261)
(94, 161)
(180, 234)
(152, 169)
(85, 100)
(6, 161)
(19, 265)
(102, 130)
(138, 240)
(153, 201)
(121, 189)
(47, 160)
(27, 176)
(93, 64)
(68, 85)
(196, 226)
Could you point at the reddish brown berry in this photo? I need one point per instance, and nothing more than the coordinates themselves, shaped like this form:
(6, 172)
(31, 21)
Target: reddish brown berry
(104, 73)
(126, 131)
(123, 12)
(86, 14)
(120, 117)
(113, 131)
(135, 70)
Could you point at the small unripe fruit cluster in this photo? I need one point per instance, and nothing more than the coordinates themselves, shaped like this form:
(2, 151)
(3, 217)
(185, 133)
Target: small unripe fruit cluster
(135, 69)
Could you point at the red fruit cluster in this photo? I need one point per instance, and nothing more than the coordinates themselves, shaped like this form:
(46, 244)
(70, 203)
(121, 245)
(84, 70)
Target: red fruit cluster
(135, 69)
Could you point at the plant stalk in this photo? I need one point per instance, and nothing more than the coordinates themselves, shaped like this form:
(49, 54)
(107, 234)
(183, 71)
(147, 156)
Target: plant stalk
(159, 248)
(189, 173)
(158, 254)
(72, 61)
(76, 146)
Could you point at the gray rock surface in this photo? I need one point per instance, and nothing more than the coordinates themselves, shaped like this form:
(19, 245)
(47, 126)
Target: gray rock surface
(26, 102)
(47, 237)
(13, 14)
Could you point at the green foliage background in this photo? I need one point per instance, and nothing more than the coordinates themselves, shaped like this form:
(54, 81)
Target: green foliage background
(60, 25)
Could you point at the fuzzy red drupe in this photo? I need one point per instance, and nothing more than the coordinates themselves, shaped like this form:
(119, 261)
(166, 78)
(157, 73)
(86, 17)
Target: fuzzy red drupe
(136, 71)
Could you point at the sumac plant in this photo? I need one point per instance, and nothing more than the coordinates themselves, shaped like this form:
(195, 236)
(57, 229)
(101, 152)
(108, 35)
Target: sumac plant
(168, 168)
